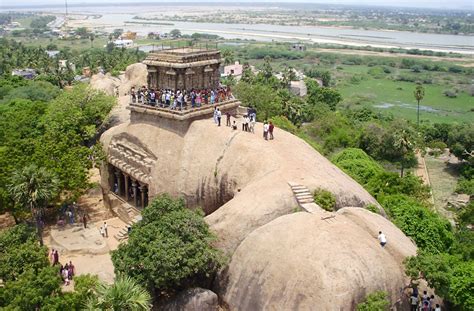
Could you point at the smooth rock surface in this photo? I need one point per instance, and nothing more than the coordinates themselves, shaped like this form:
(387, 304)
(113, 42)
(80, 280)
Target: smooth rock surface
(194, 299)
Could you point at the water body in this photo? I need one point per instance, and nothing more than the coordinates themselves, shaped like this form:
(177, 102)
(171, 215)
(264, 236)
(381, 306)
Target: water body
(111, 18)
(266, 32)
(385, 105)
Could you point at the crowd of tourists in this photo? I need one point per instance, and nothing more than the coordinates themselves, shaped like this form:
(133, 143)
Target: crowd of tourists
(248, 122)
(67, 271)
(179, 99)
(423, 302)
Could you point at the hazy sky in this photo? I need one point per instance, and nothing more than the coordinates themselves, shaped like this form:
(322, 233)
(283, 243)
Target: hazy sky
(454, 4)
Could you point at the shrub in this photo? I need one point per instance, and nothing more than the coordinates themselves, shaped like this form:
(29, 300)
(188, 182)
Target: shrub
(465, 186)
(325, 199)
(357, 164)
(373, 208)
(429, 230)
(450, 93)
(285, 124)
(376, 301)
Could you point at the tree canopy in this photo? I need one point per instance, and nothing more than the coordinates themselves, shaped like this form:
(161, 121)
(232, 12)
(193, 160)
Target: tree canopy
(169, 249)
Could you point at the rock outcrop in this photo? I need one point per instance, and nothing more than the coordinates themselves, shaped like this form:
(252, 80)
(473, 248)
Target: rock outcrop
(279, 259)
(194, 299)
(302, 262)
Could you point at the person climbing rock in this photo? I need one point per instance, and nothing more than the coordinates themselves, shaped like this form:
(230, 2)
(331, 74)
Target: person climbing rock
(382, 239)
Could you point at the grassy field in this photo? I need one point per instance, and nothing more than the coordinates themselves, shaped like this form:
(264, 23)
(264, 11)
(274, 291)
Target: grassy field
(81, 44)
(396, 97)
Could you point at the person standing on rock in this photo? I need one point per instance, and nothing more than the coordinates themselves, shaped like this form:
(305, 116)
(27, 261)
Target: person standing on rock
(219, 116)
(227, 119)
(105, 230)
(270, 130)
(265, 130)
(55, 258)
(382, 239)
(84, 220)
(101, 230)
(414, 302)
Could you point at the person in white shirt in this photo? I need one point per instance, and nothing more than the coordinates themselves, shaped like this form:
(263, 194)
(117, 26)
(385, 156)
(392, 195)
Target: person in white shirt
(219, 116)
(265, 130)
(382, 239)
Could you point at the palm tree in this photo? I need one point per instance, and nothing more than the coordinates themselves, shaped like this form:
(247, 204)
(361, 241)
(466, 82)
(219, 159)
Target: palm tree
(92, 37)
(32, 188)
(403, 143)
(228, 56)
(419, 94)
(124, 295)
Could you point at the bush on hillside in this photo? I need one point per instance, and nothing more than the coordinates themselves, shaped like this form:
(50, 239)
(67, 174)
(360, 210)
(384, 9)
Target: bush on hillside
(325, 199)
(376, 301)
(429, 230)
(285, 124)
(357, 164)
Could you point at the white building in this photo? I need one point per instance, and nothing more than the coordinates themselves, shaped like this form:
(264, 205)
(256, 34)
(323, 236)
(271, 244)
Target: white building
(123, 43)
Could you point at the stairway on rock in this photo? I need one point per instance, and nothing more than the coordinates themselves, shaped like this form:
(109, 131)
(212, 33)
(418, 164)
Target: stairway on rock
(304, 197)
(134, 216)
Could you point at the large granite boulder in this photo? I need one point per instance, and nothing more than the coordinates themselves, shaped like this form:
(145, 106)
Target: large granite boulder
(303, 262)
(279, 259)
(194, 299)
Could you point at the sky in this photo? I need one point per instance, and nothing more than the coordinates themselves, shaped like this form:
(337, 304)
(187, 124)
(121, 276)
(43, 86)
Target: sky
(453, 4)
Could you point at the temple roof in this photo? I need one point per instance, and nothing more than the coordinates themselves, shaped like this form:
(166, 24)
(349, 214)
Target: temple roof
(183, 57)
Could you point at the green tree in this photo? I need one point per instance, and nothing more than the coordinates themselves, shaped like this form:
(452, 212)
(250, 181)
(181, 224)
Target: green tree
(33, 188)
(124, 295)
(261, 97)
(288, 76)
(267, 70)
(170, 248)
(376, 301)
(322, 95)
(31, 290)
(419, 94)
(228, 56)
(404, 148)
(175, 33)
(91, 38)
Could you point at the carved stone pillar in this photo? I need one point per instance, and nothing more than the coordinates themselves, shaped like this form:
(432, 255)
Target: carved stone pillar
(118, 176)
(127, 197)
(135, 192)
(142, 195)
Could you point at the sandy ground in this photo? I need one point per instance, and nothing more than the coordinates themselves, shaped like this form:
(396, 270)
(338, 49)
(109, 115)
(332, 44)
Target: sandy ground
(87, 249)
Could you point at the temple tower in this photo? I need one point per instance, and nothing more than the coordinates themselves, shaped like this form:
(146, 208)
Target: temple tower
(183, 69)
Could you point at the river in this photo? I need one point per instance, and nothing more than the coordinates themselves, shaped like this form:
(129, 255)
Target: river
(112, 18)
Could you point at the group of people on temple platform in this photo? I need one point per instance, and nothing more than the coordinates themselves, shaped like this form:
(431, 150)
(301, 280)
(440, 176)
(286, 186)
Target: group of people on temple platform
(179, 99)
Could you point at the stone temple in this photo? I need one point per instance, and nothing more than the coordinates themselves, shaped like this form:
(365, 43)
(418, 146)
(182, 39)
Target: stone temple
(130, 164)
(285, 252)
(183, 69)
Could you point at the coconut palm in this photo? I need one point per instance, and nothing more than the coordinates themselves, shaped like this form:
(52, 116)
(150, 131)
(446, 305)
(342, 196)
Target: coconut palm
(32, 188)
(124, 295)
(228, 56)
(419, 93)
(403, 143)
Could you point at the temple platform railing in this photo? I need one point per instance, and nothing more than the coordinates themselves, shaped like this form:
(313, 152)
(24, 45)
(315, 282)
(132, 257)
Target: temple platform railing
(178, 121)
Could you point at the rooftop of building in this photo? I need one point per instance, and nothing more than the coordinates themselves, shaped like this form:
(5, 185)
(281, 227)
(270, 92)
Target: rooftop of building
(185, 55)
